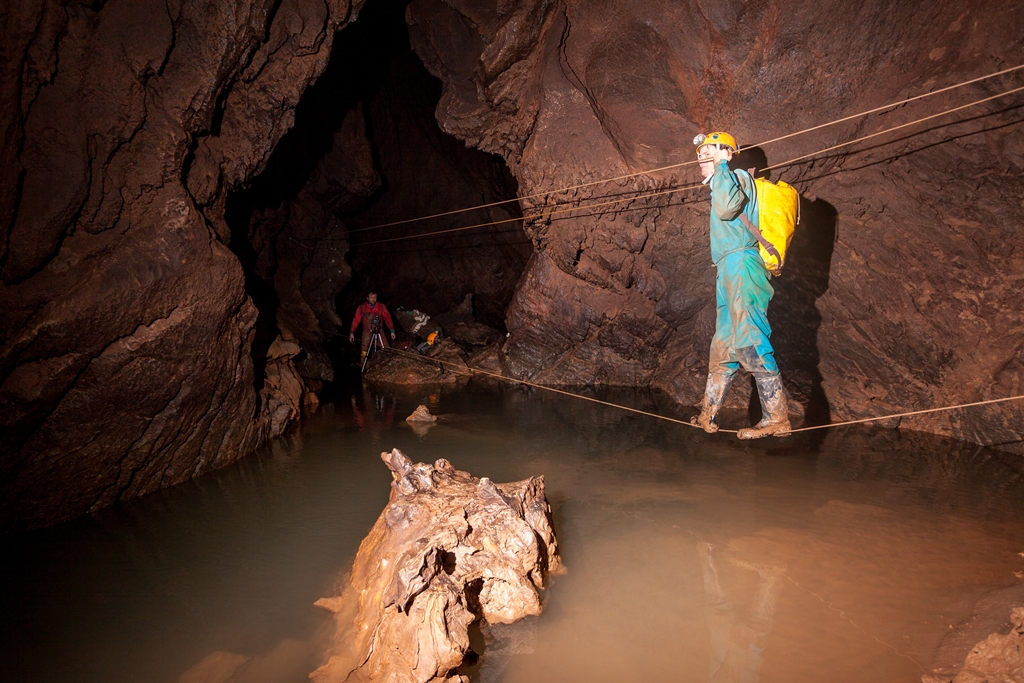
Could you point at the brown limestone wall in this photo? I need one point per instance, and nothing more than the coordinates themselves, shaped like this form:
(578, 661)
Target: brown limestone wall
(902, 291)
(125, 359)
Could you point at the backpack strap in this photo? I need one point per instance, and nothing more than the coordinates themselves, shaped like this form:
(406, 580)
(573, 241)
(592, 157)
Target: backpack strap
(768, 246)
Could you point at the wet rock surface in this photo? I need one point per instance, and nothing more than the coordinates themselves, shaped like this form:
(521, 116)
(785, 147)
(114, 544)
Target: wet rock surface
(442, 363)
(997, 659)
(421, 414)
(899, 293)
(473, 335)
(448, 549)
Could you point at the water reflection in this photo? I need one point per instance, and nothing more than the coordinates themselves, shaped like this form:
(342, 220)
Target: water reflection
(736, 647)
(673, 539)
(374, 414)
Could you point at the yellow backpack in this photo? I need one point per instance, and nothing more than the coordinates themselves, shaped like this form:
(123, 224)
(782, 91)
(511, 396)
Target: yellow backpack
(778, 212)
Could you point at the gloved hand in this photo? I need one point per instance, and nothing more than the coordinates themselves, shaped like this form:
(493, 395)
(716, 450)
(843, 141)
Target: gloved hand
(352, 338)
(720, 153)
(708, 158)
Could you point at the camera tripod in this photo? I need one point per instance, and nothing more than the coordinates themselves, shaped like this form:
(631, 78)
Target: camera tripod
(376, 342)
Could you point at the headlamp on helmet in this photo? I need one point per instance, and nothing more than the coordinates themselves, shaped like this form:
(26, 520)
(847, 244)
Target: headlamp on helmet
(719, 139)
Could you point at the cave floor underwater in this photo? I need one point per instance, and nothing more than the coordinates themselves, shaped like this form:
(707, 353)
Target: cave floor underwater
(859, 554)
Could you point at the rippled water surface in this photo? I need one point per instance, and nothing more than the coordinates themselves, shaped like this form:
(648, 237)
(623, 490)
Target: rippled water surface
(846, 555)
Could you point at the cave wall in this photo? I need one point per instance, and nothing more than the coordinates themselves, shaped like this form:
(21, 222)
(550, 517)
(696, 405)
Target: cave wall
(902, 289)
(125, 362)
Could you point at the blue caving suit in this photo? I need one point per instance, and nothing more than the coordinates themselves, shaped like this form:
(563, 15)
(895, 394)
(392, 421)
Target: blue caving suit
(742, 288)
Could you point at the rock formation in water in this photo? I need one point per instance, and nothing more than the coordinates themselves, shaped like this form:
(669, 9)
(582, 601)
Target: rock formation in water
(447, 550)
(997, 659)
(421, 414)
(442, 363)
(901, 291)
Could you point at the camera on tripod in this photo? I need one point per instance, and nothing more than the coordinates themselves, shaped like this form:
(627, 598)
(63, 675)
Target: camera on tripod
(376, 340)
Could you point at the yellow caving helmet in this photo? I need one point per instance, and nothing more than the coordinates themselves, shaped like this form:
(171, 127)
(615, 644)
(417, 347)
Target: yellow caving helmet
(718, 138)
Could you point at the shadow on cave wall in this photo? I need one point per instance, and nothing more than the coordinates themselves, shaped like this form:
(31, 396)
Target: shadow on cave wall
(793, 313)
(796, 294)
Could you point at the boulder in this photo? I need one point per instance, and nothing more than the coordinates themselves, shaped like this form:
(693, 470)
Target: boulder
(421, 414)
(416, 322)
(463, 313)
(443, 363)
(473, 334)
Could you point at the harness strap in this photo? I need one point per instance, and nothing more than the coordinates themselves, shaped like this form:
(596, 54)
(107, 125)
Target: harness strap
(768, 246)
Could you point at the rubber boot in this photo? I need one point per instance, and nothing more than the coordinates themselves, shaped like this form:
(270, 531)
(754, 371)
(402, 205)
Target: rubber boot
(714, 395)
(774, 409)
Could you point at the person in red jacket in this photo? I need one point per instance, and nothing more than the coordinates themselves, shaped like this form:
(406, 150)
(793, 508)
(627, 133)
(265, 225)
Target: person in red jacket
(367, 313)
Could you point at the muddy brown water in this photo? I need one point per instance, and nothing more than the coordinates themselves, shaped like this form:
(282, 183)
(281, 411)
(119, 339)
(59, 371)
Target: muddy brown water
(847, 555)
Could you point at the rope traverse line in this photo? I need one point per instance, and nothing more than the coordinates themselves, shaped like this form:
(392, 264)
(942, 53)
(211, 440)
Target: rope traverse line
(908, 414)
(687, 423)
(902, 125)
(627, 176)
(545, 388)
(683, 188)
(532, 216)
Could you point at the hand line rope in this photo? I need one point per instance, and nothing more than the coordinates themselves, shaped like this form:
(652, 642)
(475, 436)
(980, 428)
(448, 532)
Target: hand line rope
(913, 412)
(627, 176)
(903, 125)
(545, 214)
(427, 359)
(645, 195)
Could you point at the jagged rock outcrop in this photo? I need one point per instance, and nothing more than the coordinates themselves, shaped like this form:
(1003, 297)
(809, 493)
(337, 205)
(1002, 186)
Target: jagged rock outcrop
(298, 246)
(447, 550)
(366, 151)
(125, 363)
(997, 659)
(900, 292)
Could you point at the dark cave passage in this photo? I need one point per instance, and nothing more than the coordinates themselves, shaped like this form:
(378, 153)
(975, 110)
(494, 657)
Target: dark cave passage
(366, 150)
